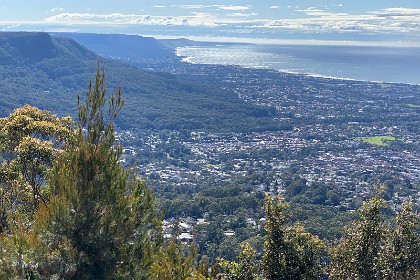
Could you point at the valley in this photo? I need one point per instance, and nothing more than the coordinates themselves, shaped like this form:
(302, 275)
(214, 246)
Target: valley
(211, 140)
(240, 140)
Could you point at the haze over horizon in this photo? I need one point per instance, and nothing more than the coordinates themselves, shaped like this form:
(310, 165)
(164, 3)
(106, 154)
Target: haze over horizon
(389, 23)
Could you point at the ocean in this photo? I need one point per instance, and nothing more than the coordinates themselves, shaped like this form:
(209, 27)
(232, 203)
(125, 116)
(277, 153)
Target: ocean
(379, 64)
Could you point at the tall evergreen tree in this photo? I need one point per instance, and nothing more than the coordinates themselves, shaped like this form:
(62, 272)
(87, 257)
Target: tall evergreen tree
(100, 222)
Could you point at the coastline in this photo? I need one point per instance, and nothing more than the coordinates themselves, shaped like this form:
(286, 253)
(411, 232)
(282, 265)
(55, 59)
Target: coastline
(197, 60)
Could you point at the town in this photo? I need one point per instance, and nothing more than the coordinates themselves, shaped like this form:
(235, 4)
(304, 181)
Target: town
(326, 125)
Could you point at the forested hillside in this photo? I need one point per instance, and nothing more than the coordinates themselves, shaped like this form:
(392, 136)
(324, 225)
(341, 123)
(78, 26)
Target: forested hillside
(69, 210)
(121, 45)
(46, 72)
(288, 189)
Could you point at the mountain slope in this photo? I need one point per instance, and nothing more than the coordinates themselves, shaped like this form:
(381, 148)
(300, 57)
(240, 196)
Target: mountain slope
(120, 46)
(50, 76)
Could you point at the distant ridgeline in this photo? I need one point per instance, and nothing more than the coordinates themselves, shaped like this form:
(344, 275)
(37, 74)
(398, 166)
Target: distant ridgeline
(132, 48)
(25, 47)
(47, 71)
(116, 45)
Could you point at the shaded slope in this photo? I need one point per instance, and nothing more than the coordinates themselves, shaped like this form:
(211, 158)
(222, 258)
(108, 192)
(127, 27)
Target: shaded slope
(121, 46)
(50, 78)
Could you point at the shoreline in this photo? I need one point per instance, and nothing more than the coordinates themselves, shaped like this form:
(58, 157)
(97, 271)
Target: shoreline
(183, 59)
(189, 59)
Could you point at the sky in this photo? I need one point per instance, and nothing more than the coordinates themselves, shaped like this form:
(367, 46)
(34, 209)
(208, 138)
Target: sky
(376, 22)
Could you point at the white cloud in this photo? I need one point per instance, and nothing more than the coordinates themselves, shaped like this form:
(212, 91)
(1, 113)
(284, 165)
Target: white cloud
(314, 20)
(391, 20)
(395, 20)
(10, 27)
(198, 19)
(232, 8)
(275, 7)
(159, 6)
(192, 6)
(312, 11)
(242, 15)
(53, 10)
(397, 12)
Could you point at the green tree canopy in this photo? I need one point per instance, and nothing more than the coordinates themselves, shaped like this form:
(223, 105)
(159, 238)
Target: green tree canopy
(246, 268)
(357, 255)
(30, 141)
(402, 255)
(100, 222)
(370, 249)
(289, 251)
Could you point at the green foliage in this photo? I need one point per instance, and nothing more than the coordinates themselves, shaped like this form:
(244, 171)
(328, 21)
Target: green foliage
(100, 222)
(174, 263)
(370, 250)
(62, 66)
(30, 141)
(17, 260)
(299, 191)
(324, 221)
(403, 248)
(216, 200)
(246, 268)
(358, 253)
(289, 251)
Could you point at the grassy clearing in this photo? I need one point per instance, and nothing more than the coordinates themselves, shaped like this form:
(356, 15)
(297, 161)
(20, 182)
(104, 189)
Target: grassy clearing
(378, 140)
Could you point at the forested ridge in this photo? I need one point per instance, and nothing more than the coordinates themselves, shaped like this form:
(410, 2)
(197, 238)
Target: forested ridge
(69, 210)
(49, 73)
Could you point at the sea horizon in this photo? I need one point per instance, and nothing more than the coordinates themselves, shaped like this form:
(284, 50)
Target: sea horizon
(380, 64)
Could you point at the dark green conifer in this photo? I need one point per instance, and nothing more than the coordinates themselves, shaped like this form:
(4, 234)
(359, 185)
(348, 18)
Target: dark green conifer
(100, 222)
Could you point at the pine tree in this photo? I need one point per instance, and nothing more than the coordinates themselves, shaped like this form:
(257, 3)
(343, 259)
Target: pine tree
(100, 222)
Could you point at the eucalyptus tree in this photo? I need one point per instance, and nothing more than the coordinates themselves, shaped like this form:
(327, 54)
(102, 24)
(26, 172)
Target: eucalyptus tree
(290, 252)
(100, 222)
(30, 141)
(358, 254)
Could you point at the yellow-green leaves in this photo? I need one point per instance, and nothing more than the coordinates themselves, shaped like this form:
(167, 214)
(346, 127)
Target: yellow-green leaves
(289, 251)
(31, 121)
(30, 141)
(246, 268)
(359, 253)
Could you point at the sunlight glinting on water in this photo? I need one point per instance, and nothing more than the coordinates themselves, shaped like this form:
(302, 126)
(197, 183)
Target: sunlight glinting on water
(387, 65)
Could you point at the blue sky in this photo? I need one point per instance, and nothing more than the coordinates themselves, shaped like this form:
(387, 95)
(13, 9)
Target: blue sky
(366, 22)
